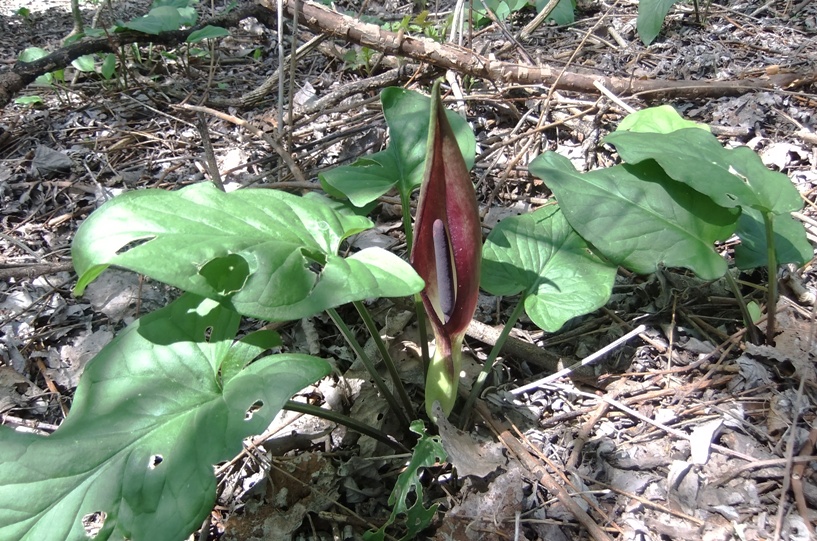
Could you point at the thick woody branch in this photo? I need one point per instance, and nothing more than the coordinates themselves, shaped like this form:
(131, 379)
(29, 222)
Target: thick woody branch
(321, 19)
(325, 21)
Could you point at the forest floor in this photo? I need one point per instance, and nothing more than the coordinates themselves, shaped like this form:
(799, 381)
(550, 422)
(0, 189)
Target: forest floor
(685, 431)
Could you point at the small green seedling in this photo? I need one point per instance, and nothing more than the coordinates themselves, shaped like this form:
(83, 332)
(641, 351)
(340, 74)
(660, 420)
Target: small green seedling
(407, 496)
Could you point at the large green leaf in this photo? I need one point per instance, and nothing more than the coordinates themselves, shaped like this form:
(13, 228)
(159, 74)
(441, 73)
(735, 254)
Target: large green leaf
(31, 54)
(774, 192)
(158, 19)
(790, 242)
(639, 217)
(562, 13)
(689, 155)
(661, 119)
(265, 253)
(208, 32)
(651, 15)
(150, 419)
(542, 257)
(731, 177)
(401, 164)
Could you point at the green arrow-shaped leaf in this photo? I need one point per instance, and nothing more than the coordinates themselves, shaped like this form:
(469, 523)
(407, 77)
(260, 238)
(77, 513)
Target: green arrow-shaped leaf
(731, 177)
(692, 156)
(402, 163)
(159, 19)
(661, 119)
(540, 256)
(774, 192)
(639, 217)
(265, 253)
(790, 242)
(149, 421)
(651, 15)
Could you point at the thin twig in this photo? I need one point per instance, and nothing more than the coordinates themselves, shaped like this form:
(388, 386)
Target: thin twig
(584, 362)
(209, 155)
(789, 455)
(293, 167)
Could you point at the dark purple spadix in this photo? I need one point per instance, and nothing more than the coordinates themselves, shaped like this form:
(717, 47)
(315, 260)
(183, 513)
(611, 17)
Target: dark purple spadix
(445, 278)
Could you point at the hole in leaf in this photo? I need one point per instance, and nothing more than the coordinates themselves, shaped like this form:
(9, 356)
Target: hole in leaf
(227, 274)
(316, 261)
(155, 460)
(257, 405)
(93, 523)
(134, 244)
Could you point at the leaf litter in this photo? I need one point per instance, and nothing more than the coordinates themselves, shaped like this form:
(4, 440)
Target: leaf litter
(683, 433)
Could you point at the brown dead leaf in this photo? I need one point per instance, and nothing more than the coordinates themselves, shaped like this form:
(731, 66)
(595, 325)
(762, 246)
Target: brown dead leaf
(304, 484)
(465, 453)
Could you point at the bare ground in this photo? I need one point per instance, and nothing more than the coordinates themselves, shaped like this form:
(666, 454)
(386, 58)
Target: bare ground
(684, 432)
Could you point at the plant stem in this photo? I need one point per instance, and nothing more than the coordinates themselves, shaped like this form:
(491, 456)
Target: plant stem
(367, 362)
(771, 292)
(489, 363)
(420, 310)
(751, 329)
(384, 353)
(405, 204)
(346, 421)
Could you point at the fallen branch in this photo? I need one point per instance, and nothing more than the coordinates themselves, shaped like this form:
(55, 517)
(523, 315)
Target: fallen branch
(444, 55)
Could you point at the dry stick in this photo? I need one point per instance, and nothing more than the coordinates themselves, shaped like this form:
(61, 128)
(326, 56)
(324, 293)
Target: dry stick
(545, 478)
(584, 362)
(293, 167)
(514, 347)
(546, 106)
(209, 156)
(280, 26)
(514, 138)
(324, 20)
(32, 425)
(799, 461)
(669, 430)
(644, 501)
(789, 453)
(322, 105)
(292, 64)
(797, 480)
(537, 21)
(256, 95)
(498, 156)
(585, 432)
(504, 30)
(29, 271)
(612, 97)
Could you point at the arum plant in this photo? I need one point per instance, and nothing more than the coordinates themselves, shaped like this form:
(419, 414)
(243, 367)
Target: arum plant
(446, 254)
